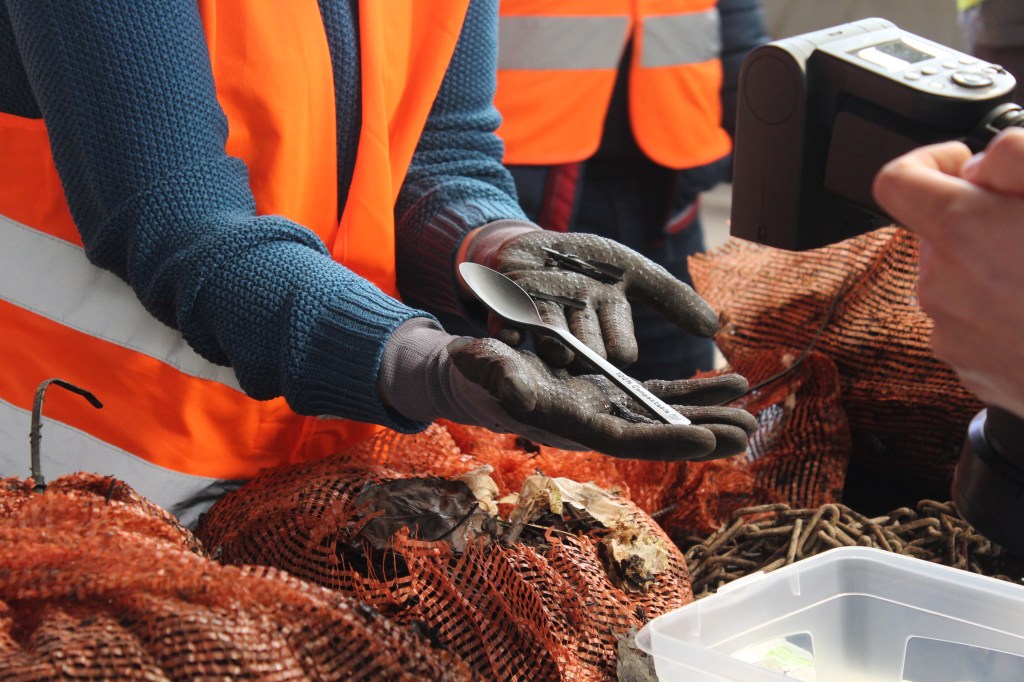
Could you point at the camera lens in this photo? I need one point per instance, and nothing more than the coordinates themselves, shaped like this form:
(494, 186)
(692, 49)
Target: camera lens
(1001, 117)
(988, 488)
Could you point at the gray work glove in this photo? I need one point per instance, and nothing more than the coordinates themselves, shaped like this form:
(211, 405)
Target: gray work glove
(604, 321)
(427, 373)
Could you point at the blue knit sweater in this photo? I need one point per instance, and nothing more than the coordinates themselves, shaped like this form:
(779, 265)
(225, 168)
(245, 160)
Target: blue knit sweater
(127, 93)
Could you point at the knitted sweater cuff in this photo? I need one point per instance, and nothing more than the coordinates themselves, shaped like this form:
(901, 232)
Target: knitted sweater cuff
(433, 283)
(335, 378)
(482, 244)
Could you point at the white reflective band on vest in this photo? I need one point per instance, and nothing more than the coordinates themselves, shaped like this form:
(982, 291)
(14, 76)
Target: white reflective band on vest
(67, 450)
(54, 279)
(574, 42)
(538, 43)
(676, 39)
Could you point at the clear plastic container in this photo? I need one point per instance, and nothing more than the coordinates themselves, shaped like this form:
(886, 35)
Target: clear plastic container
(852, 614)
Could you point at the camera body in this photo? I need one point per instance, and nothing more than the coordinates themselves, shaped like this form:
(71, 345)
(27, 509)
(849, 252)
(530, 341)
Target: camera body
(819, 114)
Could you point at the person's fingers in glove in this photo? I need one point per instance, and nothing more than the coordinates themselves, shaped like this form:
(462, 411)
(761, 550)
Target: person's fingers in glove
(699, 401)
(594, 308)
(590, 411)
(714, 390)
(731, 427)
(597, 314)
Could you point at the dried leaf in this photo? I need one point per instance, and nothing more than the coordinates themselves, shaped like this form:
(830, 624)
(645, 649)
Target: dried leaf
(562, 496)
(483, 486)
(431, 508)
(633, 557)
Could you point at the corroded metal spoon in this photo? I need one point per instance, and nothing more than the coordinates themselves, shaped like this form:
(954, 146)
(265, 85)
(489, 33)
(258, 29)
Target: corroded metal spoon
(510, 302)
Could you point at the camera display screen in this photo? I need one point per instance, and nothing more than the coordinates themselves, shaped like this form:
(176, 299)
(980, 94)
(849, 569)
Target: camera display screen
(896, 54)
(903, 51)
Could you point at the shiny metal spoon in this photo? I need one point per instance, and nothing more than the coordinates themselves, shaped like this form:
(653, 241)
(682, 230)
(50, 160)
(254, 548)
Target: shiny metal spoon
(510, 302)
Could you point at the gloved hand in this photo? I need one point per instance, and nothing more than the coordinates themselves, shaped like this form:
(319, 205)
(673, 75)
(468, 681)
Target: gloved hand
(604, 321)
(426, 373)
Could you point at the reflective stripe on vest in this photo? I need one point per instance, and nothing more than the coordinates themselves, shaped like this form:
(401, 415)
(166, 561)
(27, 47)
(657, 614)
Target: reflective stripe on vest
(173, 425)
(67, 450)
(681, 39)
(558, 63)
(91, 301)
(560, 43)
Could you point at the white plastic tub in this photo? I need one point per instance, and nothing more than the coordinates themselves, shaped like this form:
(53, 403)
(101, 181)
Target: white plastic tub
(852, 614)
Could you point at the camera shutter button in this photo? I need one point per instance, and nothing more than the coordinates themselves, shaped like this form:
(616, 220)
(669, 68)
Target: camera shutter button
(971, 78)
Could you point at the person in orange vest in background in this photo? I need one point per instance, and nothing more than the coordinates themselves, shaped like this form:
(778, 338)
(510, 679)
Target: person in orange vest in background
(209, 210)
(616, 116)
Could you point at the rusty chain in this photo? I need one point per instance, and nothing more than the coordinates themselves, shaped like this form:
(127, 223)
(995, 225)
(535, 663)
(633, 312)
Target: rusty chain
(770, 536)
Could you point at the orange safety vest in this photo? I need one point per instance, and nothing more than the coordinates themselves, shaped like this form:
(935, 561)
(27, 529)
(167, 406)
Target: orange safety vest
(557, 65)
(174, 425)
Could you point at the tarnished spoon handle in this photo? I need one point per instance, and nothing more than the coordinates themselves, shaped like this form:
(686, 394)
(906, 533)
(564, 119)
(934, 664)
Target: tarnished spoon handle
(628, 384)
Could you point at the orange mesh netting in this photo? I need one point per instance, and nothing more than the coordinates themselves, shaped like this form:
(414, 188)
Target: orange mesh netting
(856, 301)
(97, 583)
(542, 600)
(551, 601)
(797, 455)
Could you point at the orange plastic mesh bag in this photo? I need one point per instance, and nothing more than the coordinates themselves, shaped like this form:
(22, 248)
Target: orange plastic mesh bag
(99, 584)
(797, 455)
(856, 300)
(540, 601)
